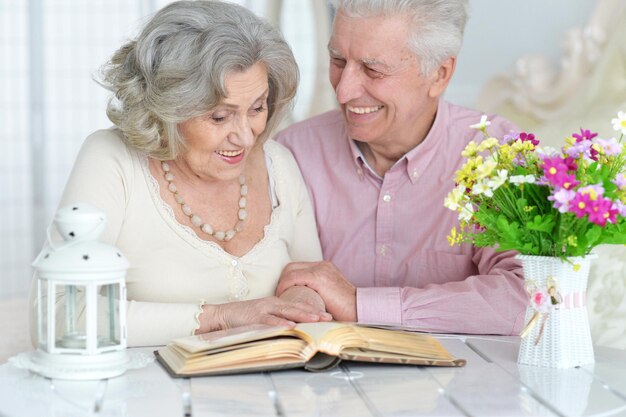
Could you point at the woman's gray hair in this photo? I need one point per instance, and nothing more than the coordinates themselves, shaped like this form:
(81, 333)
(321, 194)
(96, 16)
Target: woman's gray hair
(436, 25)
(176, 68)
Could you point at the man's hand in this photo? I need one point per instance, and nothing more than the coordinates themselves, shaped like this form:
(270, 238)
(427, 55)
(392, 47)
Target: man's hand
(338, 293)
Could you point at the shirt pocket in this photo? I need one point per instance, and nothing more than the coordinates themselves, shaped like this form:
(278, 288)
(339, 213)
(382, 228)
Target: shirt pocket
(436, 267)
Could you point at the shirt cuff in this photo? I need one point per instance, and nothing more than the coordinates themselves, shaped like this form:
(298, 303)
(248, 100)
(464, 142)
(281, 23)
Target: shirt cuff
(379, 305)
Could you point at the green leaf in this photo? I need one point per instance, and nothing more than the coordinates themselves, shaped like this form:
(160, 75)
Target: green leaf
(542, 223)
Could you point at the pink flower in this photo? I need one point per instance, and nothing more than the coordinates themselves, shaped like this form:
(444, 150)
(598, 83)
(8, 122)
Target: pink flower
(579, 205)
(540, 300)
(602, 210)
(528, 137)
(556, 171)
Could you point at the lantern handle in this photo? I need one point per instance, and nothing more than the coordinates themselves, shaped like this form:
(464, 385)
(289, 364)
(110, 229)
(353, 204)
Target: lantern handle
(74, 240)
(50, 241)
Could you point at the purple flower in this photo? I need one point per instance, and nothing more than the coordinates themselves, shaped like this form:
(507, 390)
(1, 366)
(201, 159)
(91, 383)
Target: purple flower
(582, 149)
(620, 207)
(594, 191)
(609, 146)
(584, 135)
(620, 181)
(562, 199)
(510, 137)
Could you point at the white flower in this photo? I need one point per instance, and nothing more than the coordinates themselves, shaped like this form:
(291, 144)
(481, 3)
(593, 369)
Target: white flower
(482, 125)
(498, 180)
(466, 213)
(481, 187)
(547, 151)
(619, 123)
(522, 179)
(454, 198)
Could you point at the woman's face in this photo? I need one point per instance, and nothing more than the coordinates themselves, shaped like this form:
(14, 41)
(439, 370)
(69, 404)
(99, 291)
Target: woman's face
(219, 142)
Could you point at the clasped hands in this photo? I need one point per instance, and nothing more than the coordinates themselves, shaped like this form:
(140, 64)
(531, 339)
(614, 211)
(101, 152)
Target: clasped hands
(336, 292)
(306, 292)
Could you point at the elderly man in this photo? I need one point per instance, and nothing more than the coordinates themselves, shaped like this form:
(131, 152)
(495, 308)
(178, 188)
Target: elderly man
(378, 170)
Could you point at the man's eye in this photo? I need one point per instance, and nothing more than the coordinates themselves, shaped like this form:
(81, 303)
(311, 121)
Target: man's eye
(373, 73)
(338, 62)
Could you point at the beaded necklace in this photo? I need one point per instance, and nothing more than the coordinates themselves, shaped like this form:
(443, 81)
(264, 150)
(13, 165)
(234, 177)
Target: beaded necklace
(222, 236)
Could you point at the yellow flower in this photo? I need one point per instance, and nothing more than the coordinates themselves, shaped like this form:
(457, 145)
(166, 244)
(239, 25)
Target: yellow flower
(470, 150)
(572, 241)
(485, 169)
(454, 237)
(487, 144)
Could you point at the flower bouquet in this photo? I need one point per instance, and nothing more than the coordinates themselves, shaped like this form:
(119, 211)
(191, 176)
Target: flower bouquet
(513, 194)
(552, 207)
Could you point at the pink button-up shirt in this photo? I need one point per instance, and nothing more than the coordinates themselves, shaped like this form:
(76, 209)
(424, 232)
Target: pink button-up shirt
(388, 235)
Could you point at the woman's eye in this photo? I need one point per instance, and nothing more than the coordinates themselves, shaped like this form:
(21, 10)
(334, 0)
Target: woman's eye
(259, 109)
(218, 117)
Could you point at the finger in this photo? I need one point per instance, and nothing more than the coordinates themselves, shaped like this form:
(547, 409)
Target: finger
(294, 278)
(292, 266)
(276, 321)
(299, 315)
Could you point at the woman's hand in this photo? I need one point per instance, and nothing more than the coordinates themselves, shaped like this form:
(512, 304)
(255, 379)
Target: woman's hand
(305, 295)
(274, 311)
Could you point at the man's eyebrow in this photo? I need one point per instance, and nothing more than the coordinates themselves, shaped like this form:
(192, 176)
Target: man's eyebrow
(372, 62)
(333, 52)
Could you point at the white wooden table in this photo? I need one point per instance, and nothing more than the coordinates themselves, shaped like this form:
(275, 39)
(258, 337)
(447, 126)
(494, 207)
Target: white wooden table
(491, 384)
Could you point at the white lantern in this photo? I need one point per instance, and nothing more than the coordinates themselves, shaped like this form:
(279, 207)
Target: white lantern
(81, 295)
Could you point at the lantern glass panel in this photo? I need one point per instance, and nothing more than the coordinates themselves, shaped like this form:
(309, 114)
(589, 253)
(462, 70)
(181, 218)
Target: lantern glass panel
(42, 312)
(72, 332)
(109, 335)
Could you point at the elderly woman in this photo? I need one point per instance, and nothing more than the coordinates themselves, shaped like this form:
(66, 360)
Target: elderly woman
(205, 208)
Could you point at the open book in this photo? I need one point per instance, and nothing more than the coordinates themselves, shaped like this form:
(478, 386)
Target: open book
(312, 346)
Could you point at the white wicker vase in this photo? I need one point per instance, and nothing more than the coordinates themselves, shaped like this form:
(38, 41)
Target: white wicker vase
(560, 336)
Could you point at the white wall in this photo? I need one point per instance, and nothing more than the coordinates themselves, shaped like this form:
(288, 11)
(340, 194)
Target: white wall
(499, 31)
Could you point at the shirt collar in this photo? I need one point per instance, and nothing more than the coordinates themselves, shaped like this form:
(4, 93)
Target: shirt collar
(420, 156)
(359, 160)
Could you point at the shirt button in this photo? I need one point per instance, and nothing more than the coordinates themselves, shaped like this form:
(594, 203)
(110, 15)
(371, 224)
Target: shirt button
(386, 198)
(414, 174)
(359, 171)
(383, 250)
(233, 262)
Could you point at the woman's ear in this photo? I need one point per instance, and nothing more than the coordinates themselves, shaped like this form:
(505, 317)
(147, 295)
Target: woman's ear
(441, 77)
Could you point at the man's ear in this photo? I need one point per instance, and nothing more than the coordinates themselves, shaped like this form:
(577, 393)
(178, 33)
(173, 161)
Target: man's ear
(441, 77)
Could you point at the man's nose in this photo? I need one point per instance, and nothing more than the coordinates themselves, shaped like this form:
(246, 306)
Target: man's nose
(350, 85)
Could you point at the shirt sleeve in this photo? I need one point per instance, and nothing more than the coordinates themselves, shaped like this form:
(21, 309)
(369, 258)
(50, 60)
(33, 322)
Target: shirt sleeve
(491, 302)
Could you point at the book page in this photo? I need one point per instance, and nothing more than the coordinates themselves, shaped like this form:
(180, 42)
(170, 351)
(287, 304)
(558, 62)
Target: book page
(228, 337)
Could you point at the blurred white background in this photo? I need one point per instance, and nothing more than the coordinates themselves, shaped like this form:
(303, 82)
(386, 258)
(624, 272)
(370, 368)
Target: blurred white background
(50, 49)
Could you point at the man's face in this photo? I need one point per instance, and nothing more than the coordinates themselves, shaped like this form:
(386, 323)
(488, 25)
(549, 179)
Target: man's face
(377, 80)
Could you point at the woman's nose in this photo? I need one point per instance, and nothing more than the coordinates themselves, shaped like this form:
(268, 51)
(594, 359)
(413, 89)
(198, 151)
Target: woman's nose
(242, 134)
